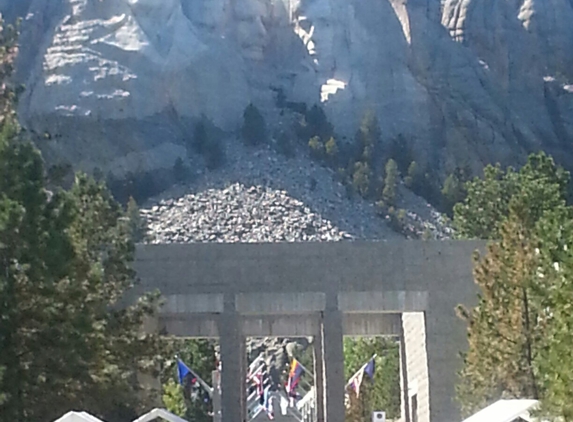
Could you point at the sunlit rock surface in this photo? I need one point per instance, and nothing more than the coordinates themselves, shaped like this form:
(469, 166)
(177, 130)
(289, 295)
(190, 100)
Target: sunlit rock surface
(460, 82)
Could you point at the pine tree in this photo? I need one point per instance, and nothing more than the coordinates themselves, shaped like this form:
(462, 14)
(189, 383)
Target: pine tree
(200, 137)
(390, 182)
(138, 226)
(453, 191)
(361, 178)
(66, 258)
(540, 184)
(555, 291)
(413, 176)
(503, 329)
(254, 130)
(331, 149)
(518, 332)
(316, 148)
(368, 136)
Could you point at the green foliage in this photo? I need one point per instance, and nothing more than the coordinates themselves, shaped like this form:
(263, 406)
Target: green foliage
(400, 151)
(361, 178)
(65, 341)
(199, 355)
(368, 136)
(318, 124)
(180, 171)
(173, 398)
(316, 148)
(427, 235)
(453, 191)
(520, 332)
(253, 131)
(137, 225)
(66, 264)
(331, 149)
(390, 181)
(206, 142)
(200, 143)
(413, 177)
(554, 357)
(397, 219)
(503, 329)
(384, 392)
(538, 187)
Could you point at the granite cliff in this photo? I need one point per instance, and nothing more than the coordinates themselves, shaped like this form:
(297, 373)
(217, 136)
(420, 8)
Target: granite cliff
(461, 82)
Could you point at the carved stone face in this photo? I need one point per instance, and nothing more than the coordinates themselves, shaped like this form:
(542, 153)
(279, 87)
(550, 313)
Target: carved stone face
(251, 34)
(208, 14)
(318, 25)
(162, 7)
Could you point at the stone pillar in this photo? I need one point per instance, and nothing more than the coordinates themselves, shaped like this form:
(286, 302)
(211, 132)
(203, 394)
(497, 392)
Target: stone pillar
(216, 382)
(232, 345)
(333, 361)
(405, 401)
(318, 377)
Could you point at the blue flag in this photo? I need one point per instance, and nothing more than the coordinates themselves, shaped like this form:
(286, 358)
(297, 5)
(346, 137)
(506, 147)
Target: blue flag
(370, 368)
(183, 372)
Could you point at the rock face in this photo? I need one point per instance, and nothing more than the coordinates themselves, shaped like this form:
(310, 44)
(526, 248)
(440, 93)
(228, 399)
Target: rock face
(462, 82)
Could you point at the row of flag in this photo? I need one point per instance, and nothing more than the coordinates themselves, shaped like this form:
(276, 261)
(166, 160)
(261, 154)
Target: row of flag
(260, 379)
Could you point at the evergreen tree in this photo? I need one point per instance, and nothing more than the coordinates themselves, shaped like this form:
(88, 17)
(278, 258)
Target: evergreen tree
(180, 170)
(390, 182)
(412, 178)
(138, 226)
(453, 191)
(540, 184)
(254, 130)
(361, 178)
(519, 332)
(503, 330)
(368, 136)
(555, 293)
(331, 149)
(65, 259)
(318, 124)
(200, 137)
(316, 148)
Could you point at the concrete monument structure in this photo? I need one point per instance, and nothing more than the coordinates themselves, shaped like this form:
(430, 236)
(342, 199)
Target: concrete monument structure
(327, 290)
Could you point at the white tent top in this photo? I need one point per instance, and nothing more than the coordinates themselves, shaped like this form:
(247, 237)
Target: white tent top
(503, 411)
(159, 414)
(78, 417)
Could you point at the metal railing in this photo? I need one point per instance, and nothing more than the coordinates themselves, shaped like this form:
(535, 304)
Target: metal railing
(303, 411)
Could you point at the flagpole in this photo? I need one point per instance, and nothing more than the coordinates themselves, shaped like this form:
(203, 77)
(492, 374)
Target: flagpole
(361, 369)
(202, 383)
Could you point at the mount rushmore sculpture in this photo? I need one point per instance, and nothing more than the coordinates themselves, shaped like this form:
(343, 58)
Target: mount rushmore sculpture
(460, 82)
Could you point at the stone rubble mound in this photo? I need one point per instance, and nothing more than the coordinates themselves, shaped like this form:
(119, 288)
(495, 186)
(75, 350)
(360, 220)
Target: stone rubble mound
(237, 213)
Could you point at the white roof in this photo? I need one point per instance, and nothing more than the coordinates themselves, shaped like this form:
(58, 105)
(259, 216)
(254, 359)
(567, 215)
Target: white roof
(159, 413)
(78, 417)
(503, 411)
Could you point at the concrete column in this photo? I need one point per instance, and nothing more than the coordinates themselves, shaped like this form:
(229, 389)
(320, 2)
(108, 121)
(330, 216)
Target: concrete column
(405, 402)
(215, 378)
(318, 377)
(232, 345)
(333, 361)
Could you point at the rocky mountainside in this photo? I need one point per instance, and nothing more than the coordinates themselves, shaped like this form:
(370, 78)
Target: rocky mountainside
(258, 196)
(116, 83)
